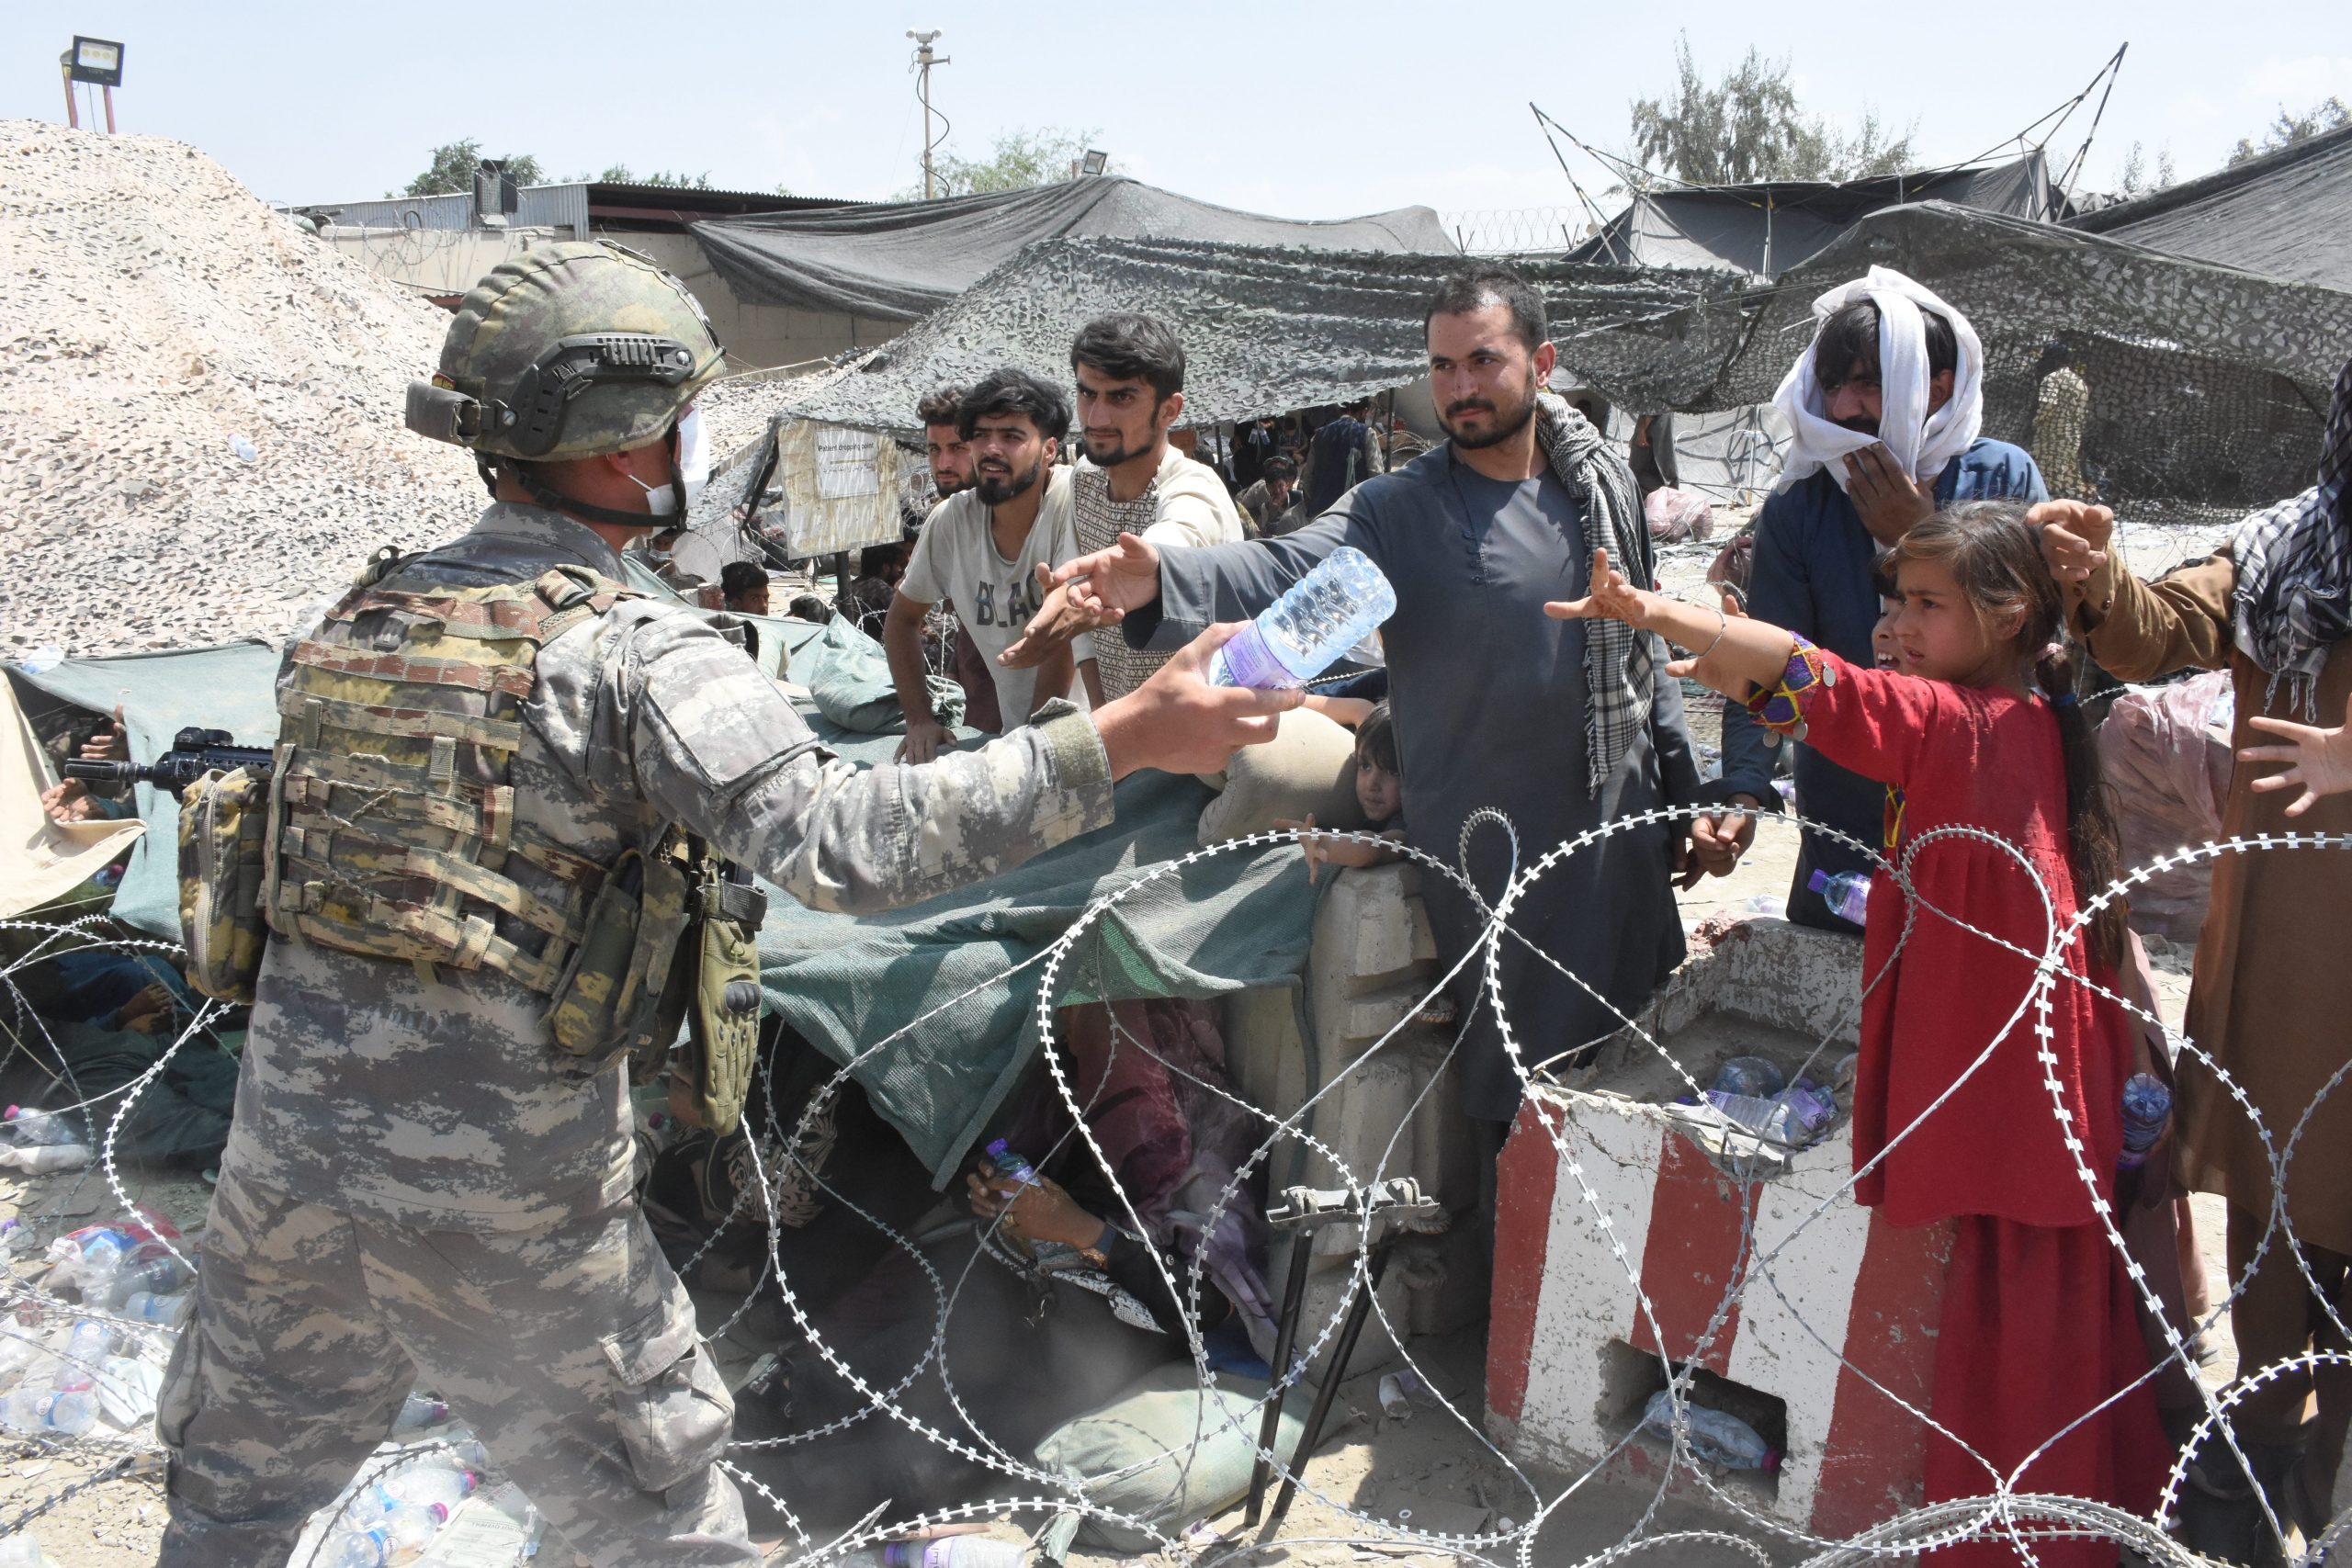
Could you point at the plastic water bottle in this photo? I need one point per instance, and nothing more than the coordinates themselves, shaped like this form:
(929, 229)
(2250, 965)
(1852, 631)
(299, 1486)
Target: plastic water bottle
(1320, 616)
(169, 1310)
(432, 1482)
(23, 1357)
(399, 1536)
(956, 1551)
(84, 1350)
(1765, 1118)
(48, 1411)
(21, 1550)
(2147, 1111)
(245, 450)
(418, 1412)
(153, 1271)
(91, 1261)
(1751, 1076)
(1848, 894)
(1716, 1438)
(1009, 1163)
(29, 1129)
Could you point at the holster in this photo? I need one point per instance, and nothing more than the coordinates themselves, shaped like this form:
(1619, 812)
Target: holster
(723, 1014)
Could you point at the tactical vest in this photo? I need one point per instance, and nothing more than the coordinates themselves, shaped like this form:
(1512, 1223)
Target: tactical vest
(392, 823)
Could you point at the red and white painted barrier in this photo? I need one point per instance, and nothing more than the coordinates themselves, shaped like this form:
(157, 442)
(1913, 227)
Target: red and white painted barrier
(1848, 1301)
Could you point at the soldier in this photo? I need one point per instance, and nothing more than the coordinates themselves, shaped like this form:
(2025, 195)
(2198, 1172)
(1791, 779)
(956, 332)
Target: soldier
(491, 755)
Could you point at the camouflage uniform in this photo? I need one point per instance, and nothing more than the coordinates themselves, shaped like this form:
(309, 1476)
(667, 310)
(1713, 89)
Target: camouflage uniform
(419, 1187)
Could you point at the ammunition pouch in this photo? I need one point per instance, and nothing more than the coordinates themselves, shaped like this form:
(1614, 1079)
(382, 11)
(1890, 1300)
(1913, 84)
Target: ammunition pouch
(224, 820)
(724, 1017)
(609, 997)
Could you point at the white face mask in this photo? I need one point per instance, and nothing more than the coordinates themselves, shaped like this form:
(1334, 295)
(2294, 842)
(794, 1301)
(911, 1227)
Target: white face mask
(694, 469)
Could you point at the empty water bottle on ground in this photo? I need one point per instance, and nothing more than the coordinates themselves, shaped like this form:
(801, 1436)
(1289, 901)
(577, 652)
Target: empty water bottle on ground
(41, 1159)
(2147, 1111)
(21, 1550)
(48, 1411)
(1316, 621)
(418, 1410)
(399, 1536)
(244, 450)
(82, 1354)
(955, 1551)
(1751, 1076)
(1848, 894)
(1009, 1163)
(1716, 1438)
(170, 1310)
(151, 1271)
(28, 1128)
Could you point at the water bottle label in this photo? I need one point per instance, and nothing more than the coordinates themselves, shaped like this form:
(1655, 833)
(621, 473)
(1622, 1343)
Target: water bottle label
(1248, 661)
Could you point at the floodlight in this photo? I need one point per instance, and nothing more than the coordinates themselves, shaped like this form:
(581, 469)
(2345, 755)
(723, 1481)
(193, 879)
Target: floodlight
(96, 60)
(1096, 161)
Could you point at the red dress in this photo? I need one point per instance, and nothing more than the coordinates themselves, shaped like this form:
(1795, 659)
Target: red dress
(2038, 1326)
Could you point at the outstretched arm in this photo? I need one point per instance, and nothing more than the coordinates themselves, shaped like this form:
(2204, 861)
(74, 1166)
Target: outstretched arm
(1730, 654)
(2321, 760)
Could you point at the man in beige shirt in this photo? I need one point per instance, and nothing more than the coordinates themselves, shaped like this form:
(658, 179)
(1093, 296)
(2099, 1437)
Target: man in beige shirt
(1130, 371)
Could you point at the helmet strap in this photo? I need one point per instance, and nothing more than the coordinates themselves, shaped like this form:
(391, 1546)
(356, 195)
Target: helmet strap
(554, 500)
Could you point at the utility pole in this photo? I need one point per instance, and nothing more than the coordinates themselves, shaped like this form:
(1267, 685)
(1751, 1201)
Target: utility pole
(924, 60)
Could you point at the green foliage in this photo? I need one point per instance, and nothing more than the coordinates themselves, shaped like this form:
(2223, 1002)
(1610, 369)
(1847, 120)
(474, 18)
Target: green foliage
(2135, 179)
(1749, 126)
(1019, 159)
(620, 174)
(2290, 128)
(451, 171)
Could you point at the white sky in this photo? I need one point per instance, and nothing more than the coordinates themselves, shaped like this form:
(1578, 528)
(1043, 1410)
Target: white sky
(1306, 111)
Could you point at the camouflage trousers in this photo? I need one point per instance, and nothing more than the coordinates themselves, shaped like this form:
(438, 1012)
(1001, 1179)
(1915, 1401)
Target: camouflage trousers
(570, 1351)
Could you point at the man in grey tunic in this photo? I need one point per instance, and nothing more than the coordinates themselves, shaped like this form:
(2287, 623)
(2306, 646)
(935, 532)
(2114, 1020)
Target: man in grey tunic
(420, 1183)
(1493, 705)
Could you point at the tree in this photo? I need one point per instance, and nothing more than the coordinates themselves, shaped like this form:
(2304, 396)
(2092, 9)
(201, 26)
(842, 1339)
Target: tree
(1749, 126)
(619, 173)
(2134, 180)
(451, 171)
(1020, 159)
(2290, 128)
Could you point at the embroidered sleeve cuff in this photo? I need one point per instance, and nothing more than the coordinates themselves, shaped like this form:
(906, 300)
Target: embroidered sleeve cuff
(1780, 707)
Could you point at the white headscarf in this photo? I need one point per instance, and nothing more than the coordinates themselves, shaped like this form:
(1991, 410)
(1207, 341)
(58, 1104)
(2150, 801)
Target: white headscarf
(1922, 442)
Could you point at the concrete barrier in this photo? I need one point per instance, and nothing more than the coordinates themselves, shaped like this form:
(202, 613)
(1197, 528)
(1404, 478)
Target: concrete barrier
(1619, 1255)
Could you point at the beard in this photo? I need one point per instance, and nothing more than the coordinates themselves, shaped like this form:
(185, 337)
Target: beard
(1108, 454)
(1861, 425)
(950, 487)
(995, 489)
(1507, 422)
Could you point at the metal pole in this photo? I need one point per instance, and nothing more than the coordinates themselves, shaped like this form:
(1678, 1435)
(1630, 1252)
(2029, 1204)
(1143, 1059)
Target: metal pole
(926, 123)
(1341, 1354)
(1302, 1248)
(65, 69)
(109, 92)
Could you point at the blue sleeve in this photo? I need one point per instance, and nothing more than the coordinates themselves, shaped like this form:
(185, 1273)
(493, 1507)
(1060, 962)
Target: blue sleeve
(2030, 488)
(1779, 591)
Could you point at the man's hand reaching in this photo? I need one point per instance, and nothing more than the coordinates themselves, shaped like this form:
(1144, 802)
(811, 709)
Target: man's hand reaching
(1177, 722)
(926, 738)
(1055, 626)
(2076, 539)
(2321, 758)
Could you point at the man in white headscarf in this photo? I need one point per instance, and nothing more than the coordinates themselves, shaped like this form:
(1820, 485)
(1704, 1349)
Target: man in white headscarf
(1886, 405)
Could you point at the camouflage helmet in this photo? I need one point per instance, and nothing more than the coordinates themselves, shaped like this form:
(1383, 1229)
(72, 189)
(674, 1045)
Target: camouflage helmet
(567, 350)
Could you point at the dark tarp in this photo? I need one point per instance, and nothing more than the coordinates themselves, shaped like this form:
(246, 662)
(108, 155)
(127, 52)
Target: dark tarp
(1768, 227)
(899, 262)
(2208, 385)
(2287, 214)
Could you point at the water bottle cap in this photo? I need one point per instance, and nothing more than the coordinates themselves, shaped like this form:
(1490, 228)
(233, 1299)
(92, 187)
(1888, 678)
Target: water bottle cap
(1819, 881)
(15, 1111)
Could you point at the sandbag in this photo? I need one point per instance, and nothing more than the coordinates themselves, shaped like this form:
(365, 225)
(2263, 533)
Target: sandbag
(1308, 767)
(2165, 752)
(1167, 1450)
(1675, 516)
(848, 677)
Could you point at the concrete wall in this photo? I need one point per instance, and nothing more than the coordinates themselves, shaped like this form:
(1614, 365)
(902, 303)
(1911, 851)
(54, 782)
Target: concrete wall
(756, 336)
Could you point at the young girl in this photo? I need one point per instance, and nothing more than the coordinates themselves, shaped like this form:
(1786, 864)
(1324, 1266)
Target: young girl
(1380, 791)
(1976, 726)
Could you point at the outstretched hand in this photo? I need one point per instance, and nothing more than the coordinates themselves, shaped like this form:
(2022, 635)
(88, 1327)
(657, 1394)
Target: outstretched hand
(2321, 758)
(1179, 723)
(1609, 598)
(2074, 538)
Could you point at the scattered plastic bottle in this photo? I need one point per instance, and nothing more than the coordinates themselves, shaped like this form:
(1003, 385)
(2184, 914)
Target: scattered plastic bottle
(1813, 1106)
(39, 660)
(1848, 894)
(153, 1271)
(244, 450)
(1716, 1438)
(1751, 1076)
(431, 1483)
(23, 1357)
(1765, 1118)
(22, 1551)
(417, 1413)
(28, 1128)
(82, 1354)
(399, 1536)
(956, 1551)
(1009, 1162)
(168, 1310)
(46, 1411)
(2147, 1111)
(89, 1260)
(1316, 621)
(1767, 904)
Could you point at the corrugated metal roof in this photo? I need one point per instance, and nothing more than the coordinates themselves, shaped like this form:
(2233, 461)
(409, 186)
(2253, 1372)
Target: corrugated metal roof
(567, 206)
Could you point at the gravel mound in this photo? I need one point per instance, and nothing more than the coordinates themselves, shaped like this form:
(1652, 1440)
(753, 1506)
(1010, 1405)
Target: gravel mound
(155, 314)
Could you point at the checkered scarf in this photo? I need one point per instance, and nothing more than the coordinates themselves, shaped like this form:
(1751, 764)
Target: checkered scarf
(2294, 570)
(1619, 662)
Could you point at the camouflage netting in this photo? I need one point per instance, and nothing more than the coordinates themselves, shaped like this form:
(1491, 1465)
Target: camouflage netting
(2207, 385)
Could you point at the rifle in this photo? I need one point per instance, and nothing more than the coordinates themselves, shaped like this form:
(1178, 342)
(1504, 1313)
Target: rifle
(195, 752)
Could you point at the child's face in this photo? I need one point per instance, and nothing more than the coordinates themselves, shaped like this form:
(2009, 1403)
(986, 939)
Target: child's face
(1937, 631)
(1884, 650)
(1378, 791)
